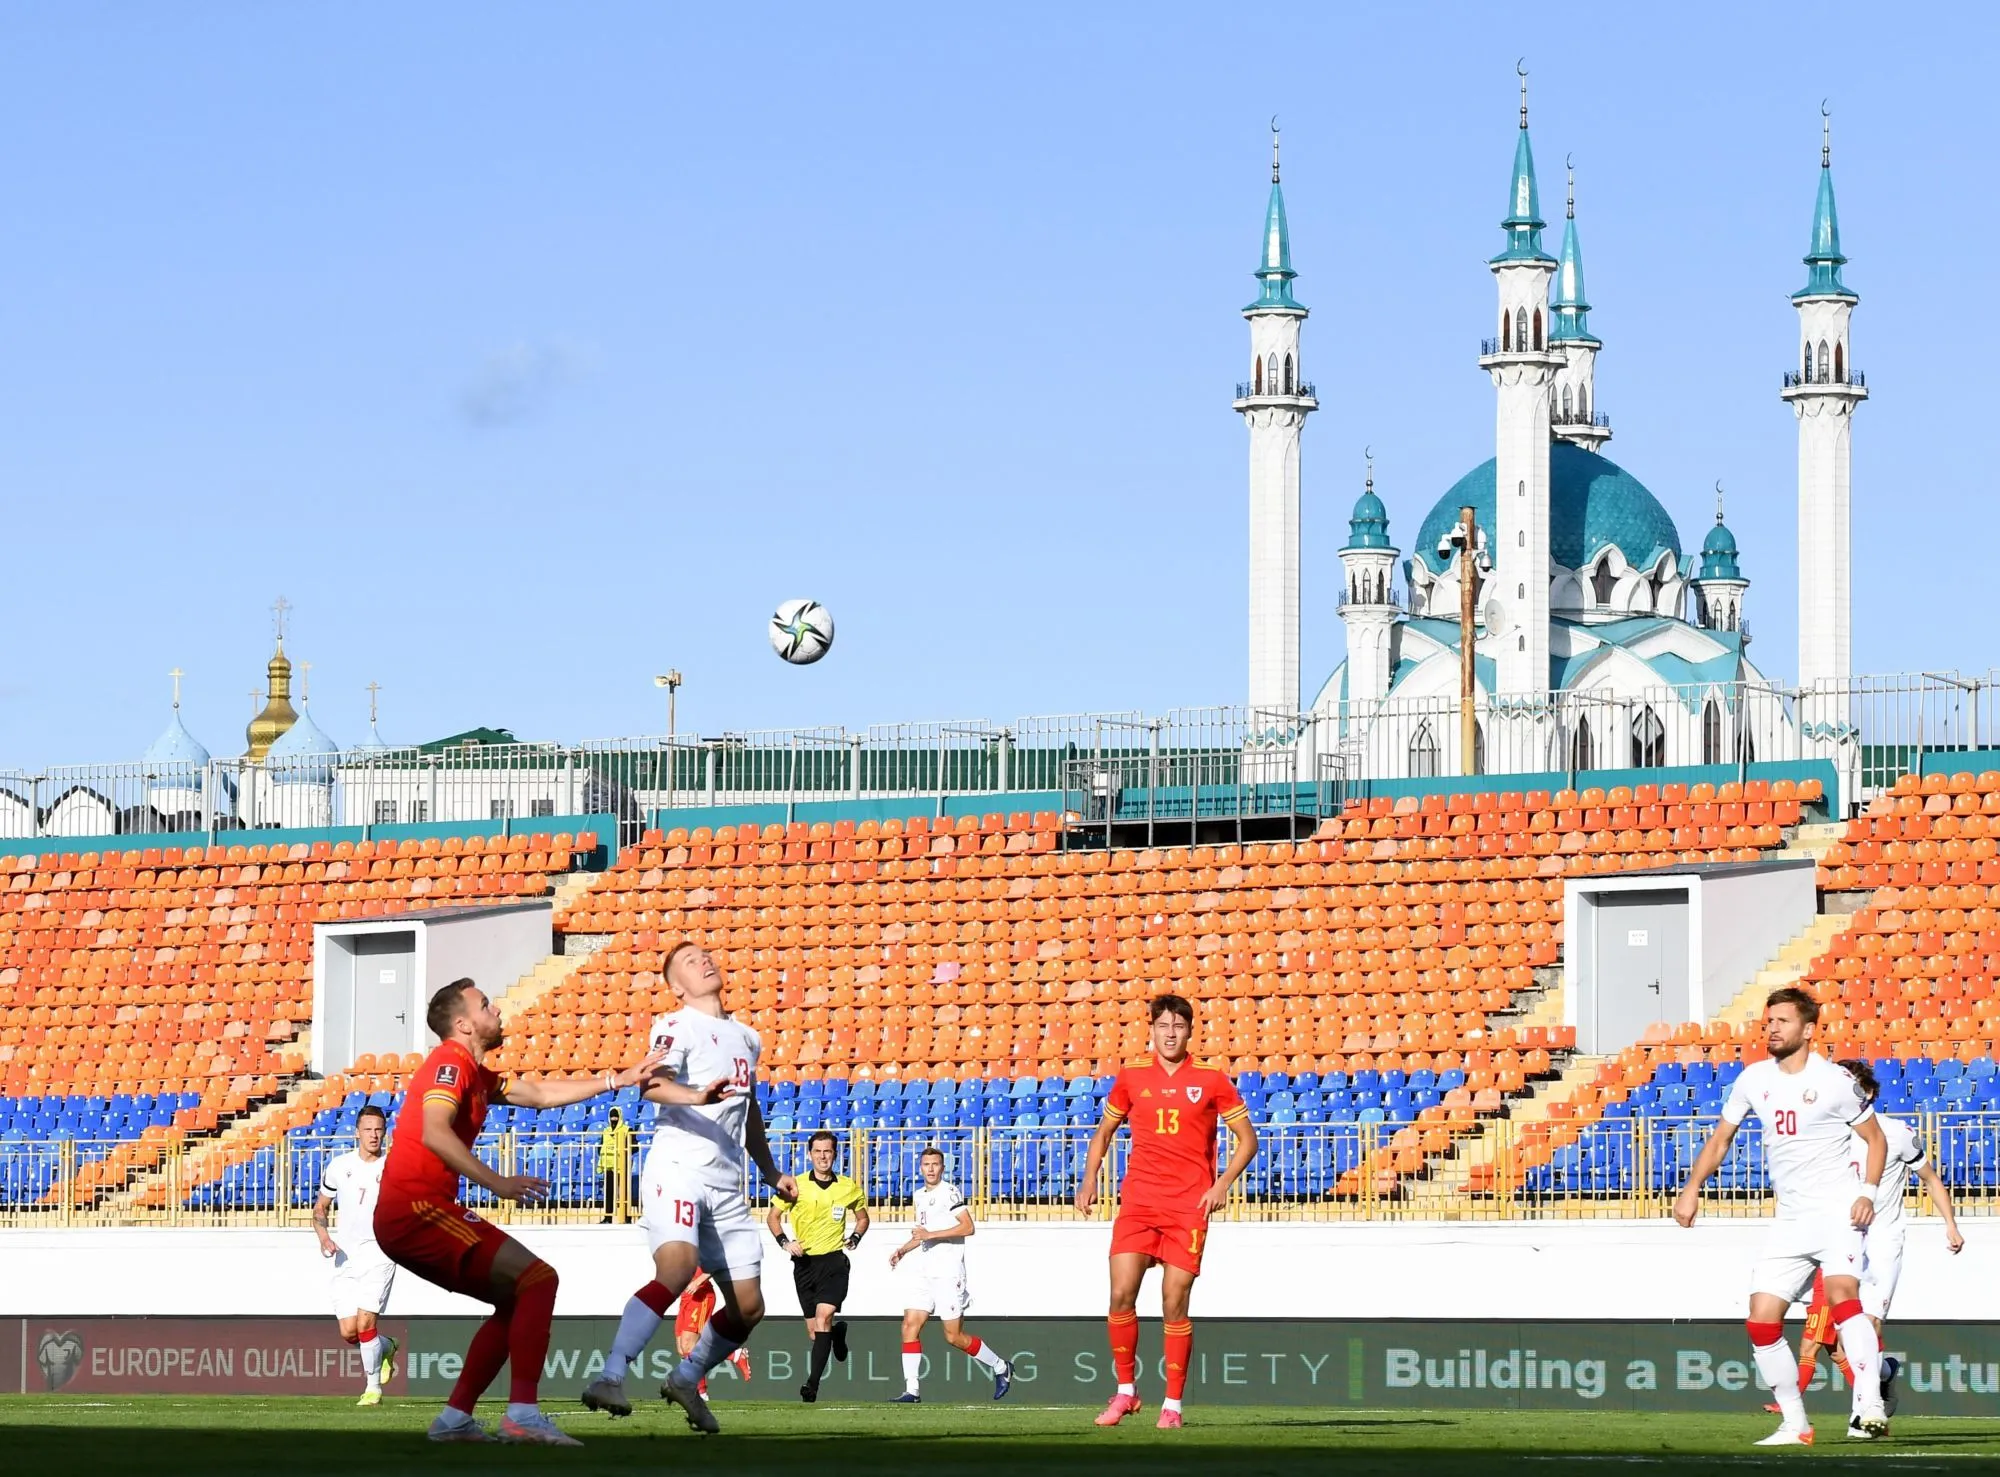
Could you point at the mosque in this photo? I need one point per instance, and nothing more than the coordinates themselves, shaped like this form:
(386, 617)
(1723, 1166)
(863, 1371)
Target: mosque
(1600, 639)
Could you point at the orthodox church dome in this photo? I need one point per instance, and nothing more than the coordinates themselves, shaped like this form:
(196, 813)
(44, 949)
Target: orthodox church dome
(298, 747)
(175, 748)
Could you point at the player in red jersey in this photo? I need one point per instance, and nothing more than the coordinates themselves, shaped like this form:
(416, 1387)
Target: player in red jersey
(691, 1317)
(1170, 1190)
(420, 1224)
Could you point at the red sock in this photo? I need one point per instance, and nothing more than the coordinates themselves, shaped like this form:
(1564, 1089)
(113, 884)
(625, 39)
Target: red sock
(1808, 1362)
(483, 1358)
(973, 1346)
(1840, 1363)
(528, 1341)
(1124, 1345)
(1180, 1349)
(655, 1297)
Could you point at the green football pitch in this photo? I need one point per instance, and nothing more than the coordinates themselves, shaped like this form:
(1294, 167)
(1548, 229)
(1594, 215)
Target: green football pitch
(171, 1436)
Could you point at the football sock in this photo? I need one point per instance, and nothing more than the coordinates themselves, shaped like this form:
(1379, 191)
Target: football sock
(822, 1351)
(1863, 1349)
(978, 1349)
(913, 1357)
(714, 1346)
(371, 1360)
(1180, 1349)
(1171, 1403)
(1779, 1368)
(636, 1327)
(1808, 1362)
(1124, 1349)
(1840, 1363)
(528, 1332)
(483, 1358)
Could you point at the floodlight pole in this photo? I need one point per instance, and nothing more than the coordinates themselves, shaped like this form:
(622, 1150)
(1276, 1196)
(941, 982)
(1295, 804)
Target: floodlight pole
(671, 680)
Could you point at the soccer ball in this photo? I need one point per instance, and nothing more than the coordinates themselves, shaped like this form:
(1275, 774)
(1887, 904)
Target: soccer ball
(801, 631)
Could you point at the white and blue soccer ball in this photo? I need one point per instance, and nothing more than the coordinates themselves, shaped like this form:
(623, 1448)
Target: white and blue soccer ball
(802, 631)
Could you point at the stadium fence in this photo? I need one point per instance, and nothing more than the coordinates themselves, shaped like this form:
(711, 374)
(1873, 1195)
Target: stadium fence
(1615, 1169)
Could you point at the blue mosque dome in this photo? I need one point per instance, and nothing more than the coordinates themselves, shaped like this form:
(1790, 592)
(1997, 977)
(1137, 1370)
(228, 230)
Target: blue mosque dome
(175, 748)
(296, 748)
(1593, 503)
(1718, 554)
(1369, 527)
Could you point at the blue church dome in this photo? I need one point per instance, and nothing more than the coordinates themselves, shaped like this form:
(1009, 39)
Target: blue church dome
(1593, 503)
(296, 748)
(175, 748)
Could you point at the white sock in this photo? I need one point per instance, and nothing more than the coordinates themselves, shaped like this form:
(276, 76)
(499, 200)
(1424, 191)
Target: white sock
(636, 1327)
(989, 1356)
(1171, 1404)
(911, 1364)
(1132, 1390)
(709, 1350)
(1864, 1360)
(371, 1360)
(1779, 1367)
(517, 1412)
(451, 1416)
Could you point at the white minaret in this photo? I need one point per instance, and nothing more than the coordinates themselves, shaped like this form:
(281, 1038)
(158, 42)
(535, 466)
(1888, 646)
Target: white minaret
(1573, 396)
(1368, 603)
(1274, 403)
(1823, 390)
(1523, 364)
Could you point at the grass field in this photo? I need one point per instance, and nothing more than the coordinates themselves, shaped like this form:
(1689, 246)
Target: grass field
(172, 1436)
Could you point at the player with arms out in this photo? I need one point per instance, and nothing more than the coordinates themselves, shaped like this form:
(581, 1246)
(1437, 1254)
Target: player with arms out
(696, 1209)
(1170, 1190)
(1810, 1110)
(420, 1224)
(936, 1283)
(361, 1274)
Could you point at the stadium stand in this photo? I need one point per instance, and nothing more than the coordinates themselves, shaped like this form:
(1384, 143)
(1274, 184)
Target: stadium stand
(147, 997)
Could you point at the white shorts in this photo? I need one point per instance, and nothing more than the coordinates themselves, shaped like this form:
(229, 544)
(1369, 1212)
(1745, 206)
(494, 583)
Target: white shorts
(695, 1207)
(1881, 1268)
(1796, 1246)
(940, 1291)
(361, 1287)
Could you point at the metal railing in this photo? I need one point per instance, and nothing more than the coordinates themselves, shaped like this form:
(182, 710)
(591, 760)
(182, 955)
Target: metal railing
(1796, 379)
(1597, 418)
(1622, 1168)
(1873, 729)
(1250, 390)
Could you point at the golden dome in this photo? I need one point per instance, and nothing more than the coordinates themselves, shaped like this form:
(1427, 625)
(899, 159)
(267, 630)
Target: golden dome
(278, 714)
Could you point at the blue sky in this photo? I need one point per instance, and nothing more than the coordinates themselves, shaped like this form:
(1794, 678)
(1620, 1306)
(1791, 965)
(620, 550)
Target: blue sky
(529, 349)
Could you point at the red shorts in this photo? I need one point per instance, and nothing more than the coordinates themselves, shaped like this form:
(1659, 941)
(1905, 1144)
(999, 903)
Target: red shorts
(1819, 1325)
(1172, 1238)
(442, 1242)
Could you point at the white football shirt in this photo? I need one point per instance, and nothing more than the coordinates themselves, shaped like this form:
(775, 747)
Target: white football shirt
(355, 1184)
(1906, 1156)
(1807, 1117)
(937, 1209)
(702, 1049)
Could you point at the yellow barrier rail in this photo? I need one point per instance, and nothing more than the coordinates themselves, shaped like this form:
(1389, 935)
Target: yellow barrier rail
(1612, 1169)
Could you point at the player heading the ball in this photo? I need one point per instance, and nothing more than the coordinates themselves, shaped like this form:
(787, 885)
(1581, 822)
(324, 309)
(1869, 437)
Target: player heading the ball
(1811, 1111)
(1173, 1102)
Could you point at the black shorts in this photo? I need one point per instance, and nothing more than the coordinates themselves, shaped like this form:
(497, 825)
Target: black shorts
(820, 1279)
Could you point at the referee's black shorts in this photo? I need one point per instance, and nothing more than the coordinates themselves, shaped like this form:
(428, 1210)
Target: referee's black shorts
(820, 1279)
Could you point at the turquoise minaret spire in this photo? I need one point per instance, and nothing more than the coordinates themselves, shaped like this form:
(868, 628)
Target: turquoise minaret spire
(1823, 256)
(1569, 309)
(1275, 273)
(1524, 202)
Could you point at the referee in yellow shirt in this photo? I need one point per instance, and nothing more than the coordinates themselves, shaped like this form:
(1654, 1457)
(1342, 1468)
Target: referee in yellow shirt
(828, 1220)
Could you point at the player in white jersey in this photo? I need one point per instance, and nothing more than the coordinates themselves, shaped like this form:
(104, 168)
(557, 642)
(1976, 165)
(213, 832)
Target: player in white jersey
(1809, 1109)
(1882, 1262)
(362, 1272)
(935, 1280)
(697, 1206)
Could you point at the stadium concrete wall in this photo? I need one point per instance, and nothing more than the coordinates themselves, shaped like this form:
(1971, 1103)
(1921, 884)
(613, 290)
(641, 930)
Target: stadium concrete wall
(1445, 1272)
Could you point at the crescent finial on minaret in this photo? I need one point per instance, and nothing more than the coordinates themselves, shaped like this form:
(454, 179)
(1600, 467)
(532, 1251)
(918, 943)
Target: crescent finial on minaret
(1569, 163)
(1274, 148)
(1718, 500)
(1825, 135)
(1521, 70)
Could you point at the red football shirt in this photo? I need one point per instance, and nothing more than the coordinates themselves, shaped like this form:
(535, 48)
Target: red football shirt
(1173, 1116)
(448, 1075)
